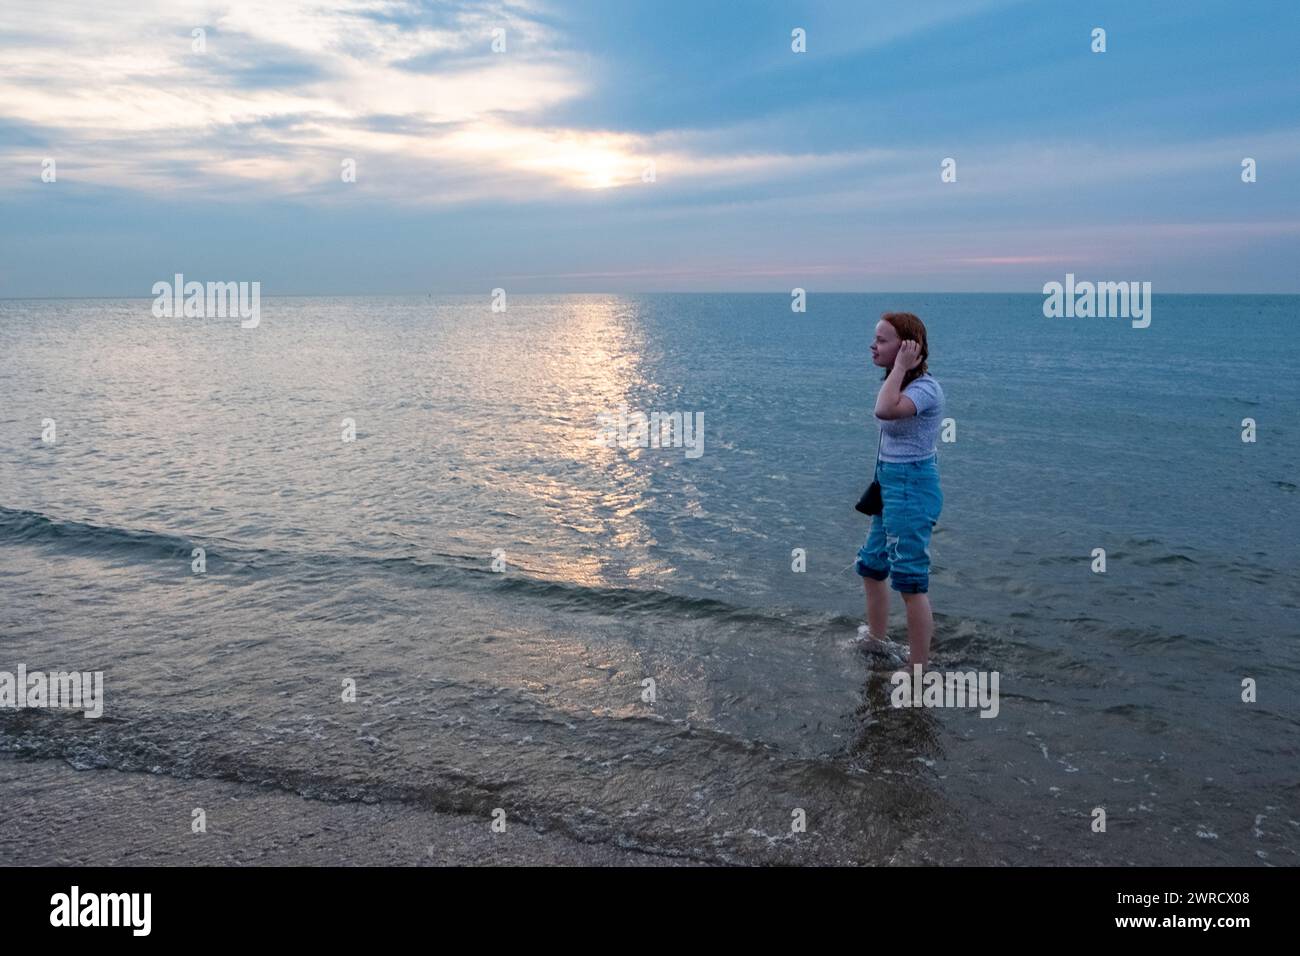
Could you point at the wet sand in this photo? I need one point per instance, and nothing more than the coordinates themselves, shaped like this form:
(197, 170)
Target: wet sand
(55, 815)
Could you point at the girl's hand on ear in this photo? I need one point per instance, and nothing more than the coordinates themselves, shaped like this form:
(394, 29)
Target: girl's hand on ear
(909, 355)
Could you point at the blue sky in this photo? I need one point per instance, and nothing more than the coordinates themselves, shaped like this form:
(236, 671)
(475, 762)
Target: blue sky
(523, 169)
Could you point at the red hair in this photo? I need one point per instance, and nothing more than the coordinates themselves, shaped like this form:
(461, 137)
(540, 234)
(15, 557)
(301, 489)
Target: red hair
(909, 329)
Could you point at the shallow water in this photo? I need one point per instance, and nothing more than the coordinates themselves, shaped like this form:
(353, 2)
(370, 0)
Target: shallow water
(372, 561)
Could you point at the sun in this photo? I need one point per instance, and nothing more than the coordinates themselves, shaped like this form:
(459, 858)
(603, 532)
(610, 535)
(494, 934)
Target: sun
(584, 161)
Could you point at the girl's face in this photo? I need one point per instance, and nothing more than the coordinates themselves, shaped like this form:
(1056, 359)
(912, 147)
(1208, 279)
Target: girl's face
(885, 345)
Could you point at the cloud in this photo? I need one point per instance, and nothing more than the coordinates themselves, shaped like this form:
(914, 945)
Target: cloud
(282, 93)
(291, 79)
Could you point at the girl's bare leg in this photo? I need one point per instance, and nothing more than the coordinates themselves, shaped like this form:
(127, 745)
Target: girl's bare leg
(877, 607)
(920, 627)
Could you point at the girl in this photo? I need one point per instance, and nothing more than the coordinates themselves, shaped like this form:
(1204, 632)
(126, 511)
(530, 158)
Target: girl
(909, 409)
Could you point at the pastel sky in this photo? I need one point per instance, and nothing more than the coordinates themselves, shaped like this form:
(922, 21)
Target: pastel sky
(523, 169)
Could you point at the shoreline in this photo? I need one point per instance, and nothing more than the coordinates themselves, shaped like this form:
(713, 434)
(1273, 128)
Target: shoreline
(56, 815)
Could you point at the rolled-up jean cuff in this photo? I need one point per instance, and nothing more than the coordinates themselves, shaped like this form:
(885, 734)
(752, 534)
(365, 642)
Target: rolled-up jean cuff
(869, 572)
(910, 584)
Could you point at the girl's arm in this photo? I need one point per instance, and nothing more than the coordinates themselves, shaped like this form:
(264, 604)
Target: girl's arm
(891, 403)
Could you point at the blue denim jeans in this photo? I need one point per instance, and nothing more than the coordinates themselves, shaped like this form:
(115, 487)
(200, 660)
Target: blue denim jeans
(898, 544)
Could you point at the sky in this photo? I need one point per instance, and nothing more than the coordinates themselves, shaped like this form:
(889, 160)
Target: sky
(647, 145)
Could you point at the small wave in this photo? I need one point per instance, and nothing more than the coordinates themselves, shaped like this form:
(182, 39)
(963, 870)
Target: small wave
(1174, 558)
(640, 783)
(434, 568)
(80, 536)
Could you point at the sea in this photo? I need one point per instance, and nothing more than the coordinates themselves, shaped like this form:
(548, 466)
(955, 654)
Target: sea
(382, 549)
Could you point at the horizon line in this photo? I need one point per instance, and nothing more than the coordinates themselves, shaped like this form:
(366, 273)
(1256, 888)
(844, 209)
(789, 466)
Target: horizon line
(360, 295)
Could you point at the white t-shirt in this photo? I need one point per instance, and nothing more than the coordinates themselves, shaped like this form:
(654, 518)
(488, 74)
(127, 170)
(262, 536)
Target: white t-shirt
(914, 437)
